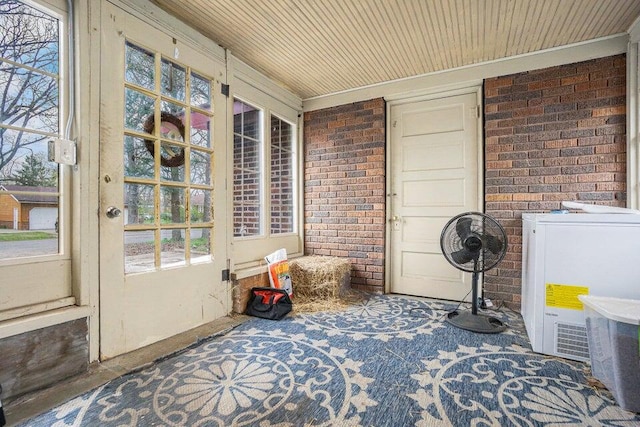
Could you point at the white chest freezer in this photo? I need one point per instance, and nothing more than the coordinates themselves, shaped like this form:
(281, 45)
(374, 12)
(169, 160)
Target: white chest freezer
(566, 255)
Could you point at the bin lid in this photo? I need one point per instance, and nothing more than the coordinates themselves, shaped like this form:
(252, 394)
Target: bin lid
(618, 309)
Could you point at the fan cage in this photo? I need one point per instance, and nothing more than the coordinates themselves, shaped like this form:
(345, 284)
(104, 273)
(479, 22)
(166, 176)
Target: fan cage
(484, 228)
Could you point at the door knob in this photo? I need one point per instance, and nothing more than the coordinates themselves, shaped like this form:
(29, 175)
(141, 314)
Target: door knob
(113, 212)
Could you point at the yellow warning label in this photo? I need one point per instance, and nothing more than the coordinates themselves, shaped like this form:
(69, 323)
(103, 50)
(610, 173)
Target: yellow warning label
(565, 296)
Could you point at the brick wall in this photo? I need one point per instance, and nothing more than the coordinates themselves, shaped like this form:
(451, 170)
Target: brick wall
(551, 135)
(344, 184)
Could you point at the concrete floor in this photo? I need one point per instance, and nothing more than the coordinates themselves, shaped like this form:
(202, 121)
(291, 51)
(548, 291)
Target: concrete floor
(36, 403)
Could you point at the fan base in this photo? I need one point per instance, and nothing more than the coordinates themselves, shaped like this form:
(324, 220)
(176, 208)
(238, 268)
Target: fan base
(475, 322)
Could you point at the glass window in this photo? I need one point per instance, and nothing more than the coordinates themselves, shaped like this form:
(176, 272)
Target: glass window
(29, 117)
(282, 177)
(247, 170)
(168, 183)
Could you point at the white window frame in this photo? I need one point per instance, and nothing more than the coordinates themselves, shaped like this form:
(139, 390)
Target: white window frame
(633, 117)
(295, 177)
(250, 251)
(39, 284)
(262, 171)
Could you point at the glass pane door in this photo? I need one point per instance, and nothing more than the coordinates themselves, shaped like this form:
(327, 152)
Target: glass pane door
(168, 156)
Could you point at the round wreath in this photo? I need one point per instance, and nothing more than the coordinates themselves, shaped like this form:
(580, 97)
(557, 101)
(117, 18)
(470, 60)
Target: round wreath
(149, 127)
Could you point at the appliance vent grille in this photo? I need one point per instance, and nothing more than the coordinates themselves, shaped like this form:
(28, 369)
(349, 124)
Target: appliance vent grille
(571, 340)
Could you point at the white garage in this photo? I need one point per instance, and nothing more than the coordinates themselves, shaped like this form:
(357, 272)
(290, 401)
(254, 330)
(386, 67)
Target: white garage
(43, 218)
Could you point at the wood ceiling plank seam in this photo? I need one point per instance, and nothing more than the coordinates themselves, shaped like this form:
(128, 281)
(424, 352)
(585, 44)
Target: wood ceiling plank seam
(222, 23)
(336, 66)
(380, 40)
(465, 30)
(277, 31)
(532, 34)
(469, 31)
(418, 46)
(512, 28)
(260, 39)
(491, 24)
(257, 45)
(335, 50)
(340, 39)
(367, 58)
(549, 36)
(551, 10)
(523, 29)
(500, 36)
(582, 23)
(302, 25)
(565, 21)
(387, 15)
(550, 22)
(632, 13)
(440, 33)
(566, 24)
(446, 19)
(413, 46)
(451, 15)
(363, 67)
(199, 12)
(205, 17)
(610, 15)
(408, 40)
(506, 16)
(417, 16)
(428, 36)
(368, 48)
(480, 26)
(436, 37)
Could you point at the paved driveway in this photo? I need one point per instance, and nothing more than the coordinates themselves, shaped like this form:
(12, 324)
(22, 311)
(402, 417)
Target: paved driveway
(28, 248)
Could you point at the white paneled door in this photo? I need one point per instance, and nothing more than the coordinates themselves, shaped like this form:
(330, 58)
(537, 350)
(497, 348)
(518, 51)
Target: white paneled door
(162, 157)
(434, 176)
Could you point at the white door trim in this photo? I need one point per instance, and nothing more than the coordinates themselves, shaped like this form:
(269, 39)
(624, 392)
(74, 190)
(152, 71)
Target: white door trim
(435, 94)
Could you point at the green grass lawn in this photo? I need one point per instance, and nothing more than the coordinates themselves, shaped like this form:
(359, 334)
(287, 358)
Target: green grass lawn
(26, 235)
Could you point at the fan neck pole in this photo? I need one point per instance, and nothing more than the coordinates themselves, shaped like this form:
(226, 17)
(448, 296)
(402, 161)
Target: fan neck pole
(474, 289)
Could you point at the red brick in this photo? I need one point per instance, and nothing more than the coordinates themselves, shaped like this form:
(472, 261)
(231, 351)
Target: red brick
(609, 111)
(543, 84)
(498, 82)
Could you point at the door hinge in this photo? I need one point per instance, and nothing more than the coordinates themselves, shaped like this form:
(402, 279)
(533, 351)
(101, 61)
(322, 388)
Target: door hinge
(477, 111)
(226, 275)
(224, 89)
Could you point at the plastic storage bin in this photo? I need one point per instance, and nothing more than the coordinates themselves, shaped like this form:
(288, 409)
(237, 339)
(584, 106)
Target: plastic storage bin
(613, 331)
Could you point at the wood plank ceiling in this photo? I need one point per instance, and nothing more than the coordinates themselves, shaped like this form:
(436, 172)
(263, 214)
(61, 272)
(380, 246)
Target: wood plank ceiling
(318, 47)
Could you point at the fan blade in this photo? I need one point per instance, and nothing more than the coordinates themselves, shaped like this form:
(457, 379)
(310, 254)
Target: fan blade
(493, 243)
(463, 227)
(462, 256)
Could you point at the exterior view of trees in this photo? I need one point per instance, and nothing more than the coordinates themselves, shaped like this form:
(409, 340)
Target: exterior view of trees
(29, 89)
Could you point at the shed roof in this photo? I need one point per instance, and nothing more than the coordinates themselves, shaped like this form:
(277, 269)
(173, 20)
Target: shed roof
(41, 198)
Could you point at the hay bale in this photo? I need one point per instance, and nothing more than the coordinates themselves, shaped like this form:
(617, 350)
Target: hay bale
(320, 283)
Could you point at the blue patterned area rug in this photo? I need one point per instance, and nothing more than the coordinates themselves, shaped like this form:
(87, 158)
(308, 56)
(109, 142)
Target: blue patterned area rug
(389, 361)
